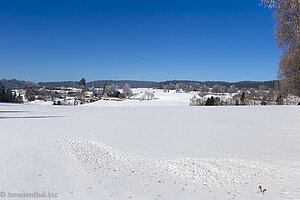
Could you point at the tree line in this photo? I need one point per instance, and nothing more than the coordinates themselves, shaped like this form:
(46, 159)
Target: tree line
(7, 95)
(193, 85)
(217, 96)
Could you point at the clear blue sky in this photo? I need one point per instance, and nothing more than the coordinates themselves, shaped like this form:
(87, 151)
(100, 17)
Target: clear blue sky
(51, 40)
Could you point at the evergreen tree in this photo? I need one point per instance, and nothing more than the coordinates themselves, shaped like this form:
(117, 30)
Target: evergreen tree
(2, 92)
(237, 103)
(243, 98)
(210, 101)
(6, 95)
(279, 100)
(82, 82)
(105, 89)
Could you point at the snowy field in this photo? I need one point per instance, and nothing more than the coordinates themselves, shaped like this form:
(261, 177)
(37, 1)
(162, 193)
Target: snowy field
(160, 149)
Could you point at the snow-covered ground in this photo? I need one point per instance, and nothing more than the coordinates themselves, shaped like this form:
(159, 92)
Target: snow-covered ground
(159, 149)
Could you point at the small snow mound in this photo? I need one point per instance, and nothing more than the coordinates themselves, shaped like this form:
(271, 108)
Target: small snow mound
(121, 174)
(90, 150)
(234, 174)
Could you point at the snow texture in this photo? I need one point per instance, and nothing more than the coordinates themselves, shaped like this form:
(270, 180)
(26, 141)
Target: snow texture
(159, 149)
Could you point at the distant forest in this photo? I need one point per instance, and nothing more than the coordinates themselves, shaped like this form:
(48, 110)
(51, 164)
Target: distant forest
(17, 84)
